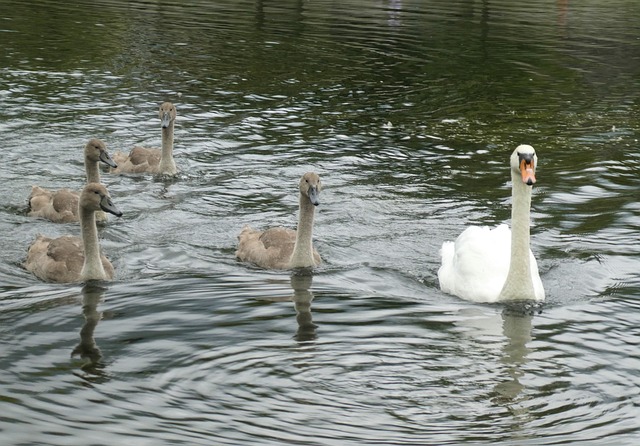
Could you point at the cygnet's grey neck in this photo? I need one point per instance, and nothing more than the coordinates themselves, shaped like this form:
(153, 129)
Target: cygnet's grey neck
(303, 250)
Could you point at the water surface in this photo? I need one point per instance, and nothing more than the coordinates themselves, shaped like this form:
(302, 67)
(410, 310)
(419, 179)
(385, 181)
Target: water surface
(409, 111)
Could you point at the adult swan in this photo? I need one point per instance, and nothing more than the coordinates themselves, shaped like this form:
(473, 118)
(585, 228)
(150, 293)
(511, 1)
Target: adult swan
(497, 265)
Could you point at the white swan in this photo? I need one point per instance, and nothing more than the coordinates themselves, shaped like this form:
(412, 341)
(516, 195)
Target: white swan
(142, 159)
(485, 265)
(61, 206)
(71, 259)
(282, 248)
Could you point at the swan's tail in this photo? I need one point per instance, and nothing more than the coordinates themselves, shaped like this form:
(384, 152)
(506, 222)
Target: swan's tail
(445, 271)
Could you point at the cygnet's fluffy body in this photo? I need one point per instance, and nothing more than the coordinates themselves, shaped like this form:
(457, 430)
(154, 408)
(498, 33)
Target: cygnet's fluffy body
(72, 259)
(152, 160)
(283, 248)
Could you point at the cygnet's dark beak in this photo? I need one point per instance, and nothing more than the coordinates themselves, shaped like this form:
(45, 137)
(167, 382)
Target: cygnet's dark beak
(166, 120)
(314, 195)
(105, 158)
(107, 205)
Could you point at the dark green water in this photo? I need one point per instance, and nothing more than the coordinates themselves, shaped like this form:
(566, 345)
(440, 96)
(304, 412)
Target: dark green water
(409, 111)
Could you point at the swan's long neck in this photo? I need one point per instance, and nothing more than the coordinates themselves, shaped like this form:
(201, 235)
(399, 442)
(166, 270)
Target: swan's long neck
(92, 268)
(167, 164)
(302, 255)
(519, 284)
(93, 173)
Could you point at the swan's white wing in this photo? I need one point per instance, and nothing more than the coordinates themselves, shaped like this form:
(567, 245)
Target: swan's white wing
(475, 266)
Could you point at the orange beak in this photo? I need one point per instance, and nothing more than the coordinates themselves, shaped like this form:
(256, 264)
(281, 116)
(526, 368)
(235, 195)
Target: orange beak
(528, 175)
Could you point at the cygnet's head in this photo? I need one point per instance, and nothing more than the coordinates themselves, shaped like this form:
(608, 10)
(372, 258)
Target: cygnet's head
(167, 113)
(524, 162)
(310, 186)
(96, 150)
(95, 197)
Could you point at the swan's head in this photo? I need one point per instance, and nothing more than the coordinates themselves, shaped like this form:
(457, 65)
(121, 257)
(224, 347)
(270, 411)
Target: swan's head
(524, 162)
(95, 197)
(167, 114)
(310, 187)
(96, 150)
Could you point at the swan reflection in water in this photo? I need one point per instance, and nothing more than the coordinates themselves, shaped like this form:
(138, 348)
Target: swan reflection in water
(516, 327)
(300, 281)
(302, 297)
(87, 349)
(505, 335)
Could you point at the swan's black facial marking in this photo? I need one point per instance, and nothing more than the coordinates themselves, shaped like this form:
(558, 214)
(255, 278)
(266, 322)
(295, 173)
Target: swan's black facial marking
(526, 157)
